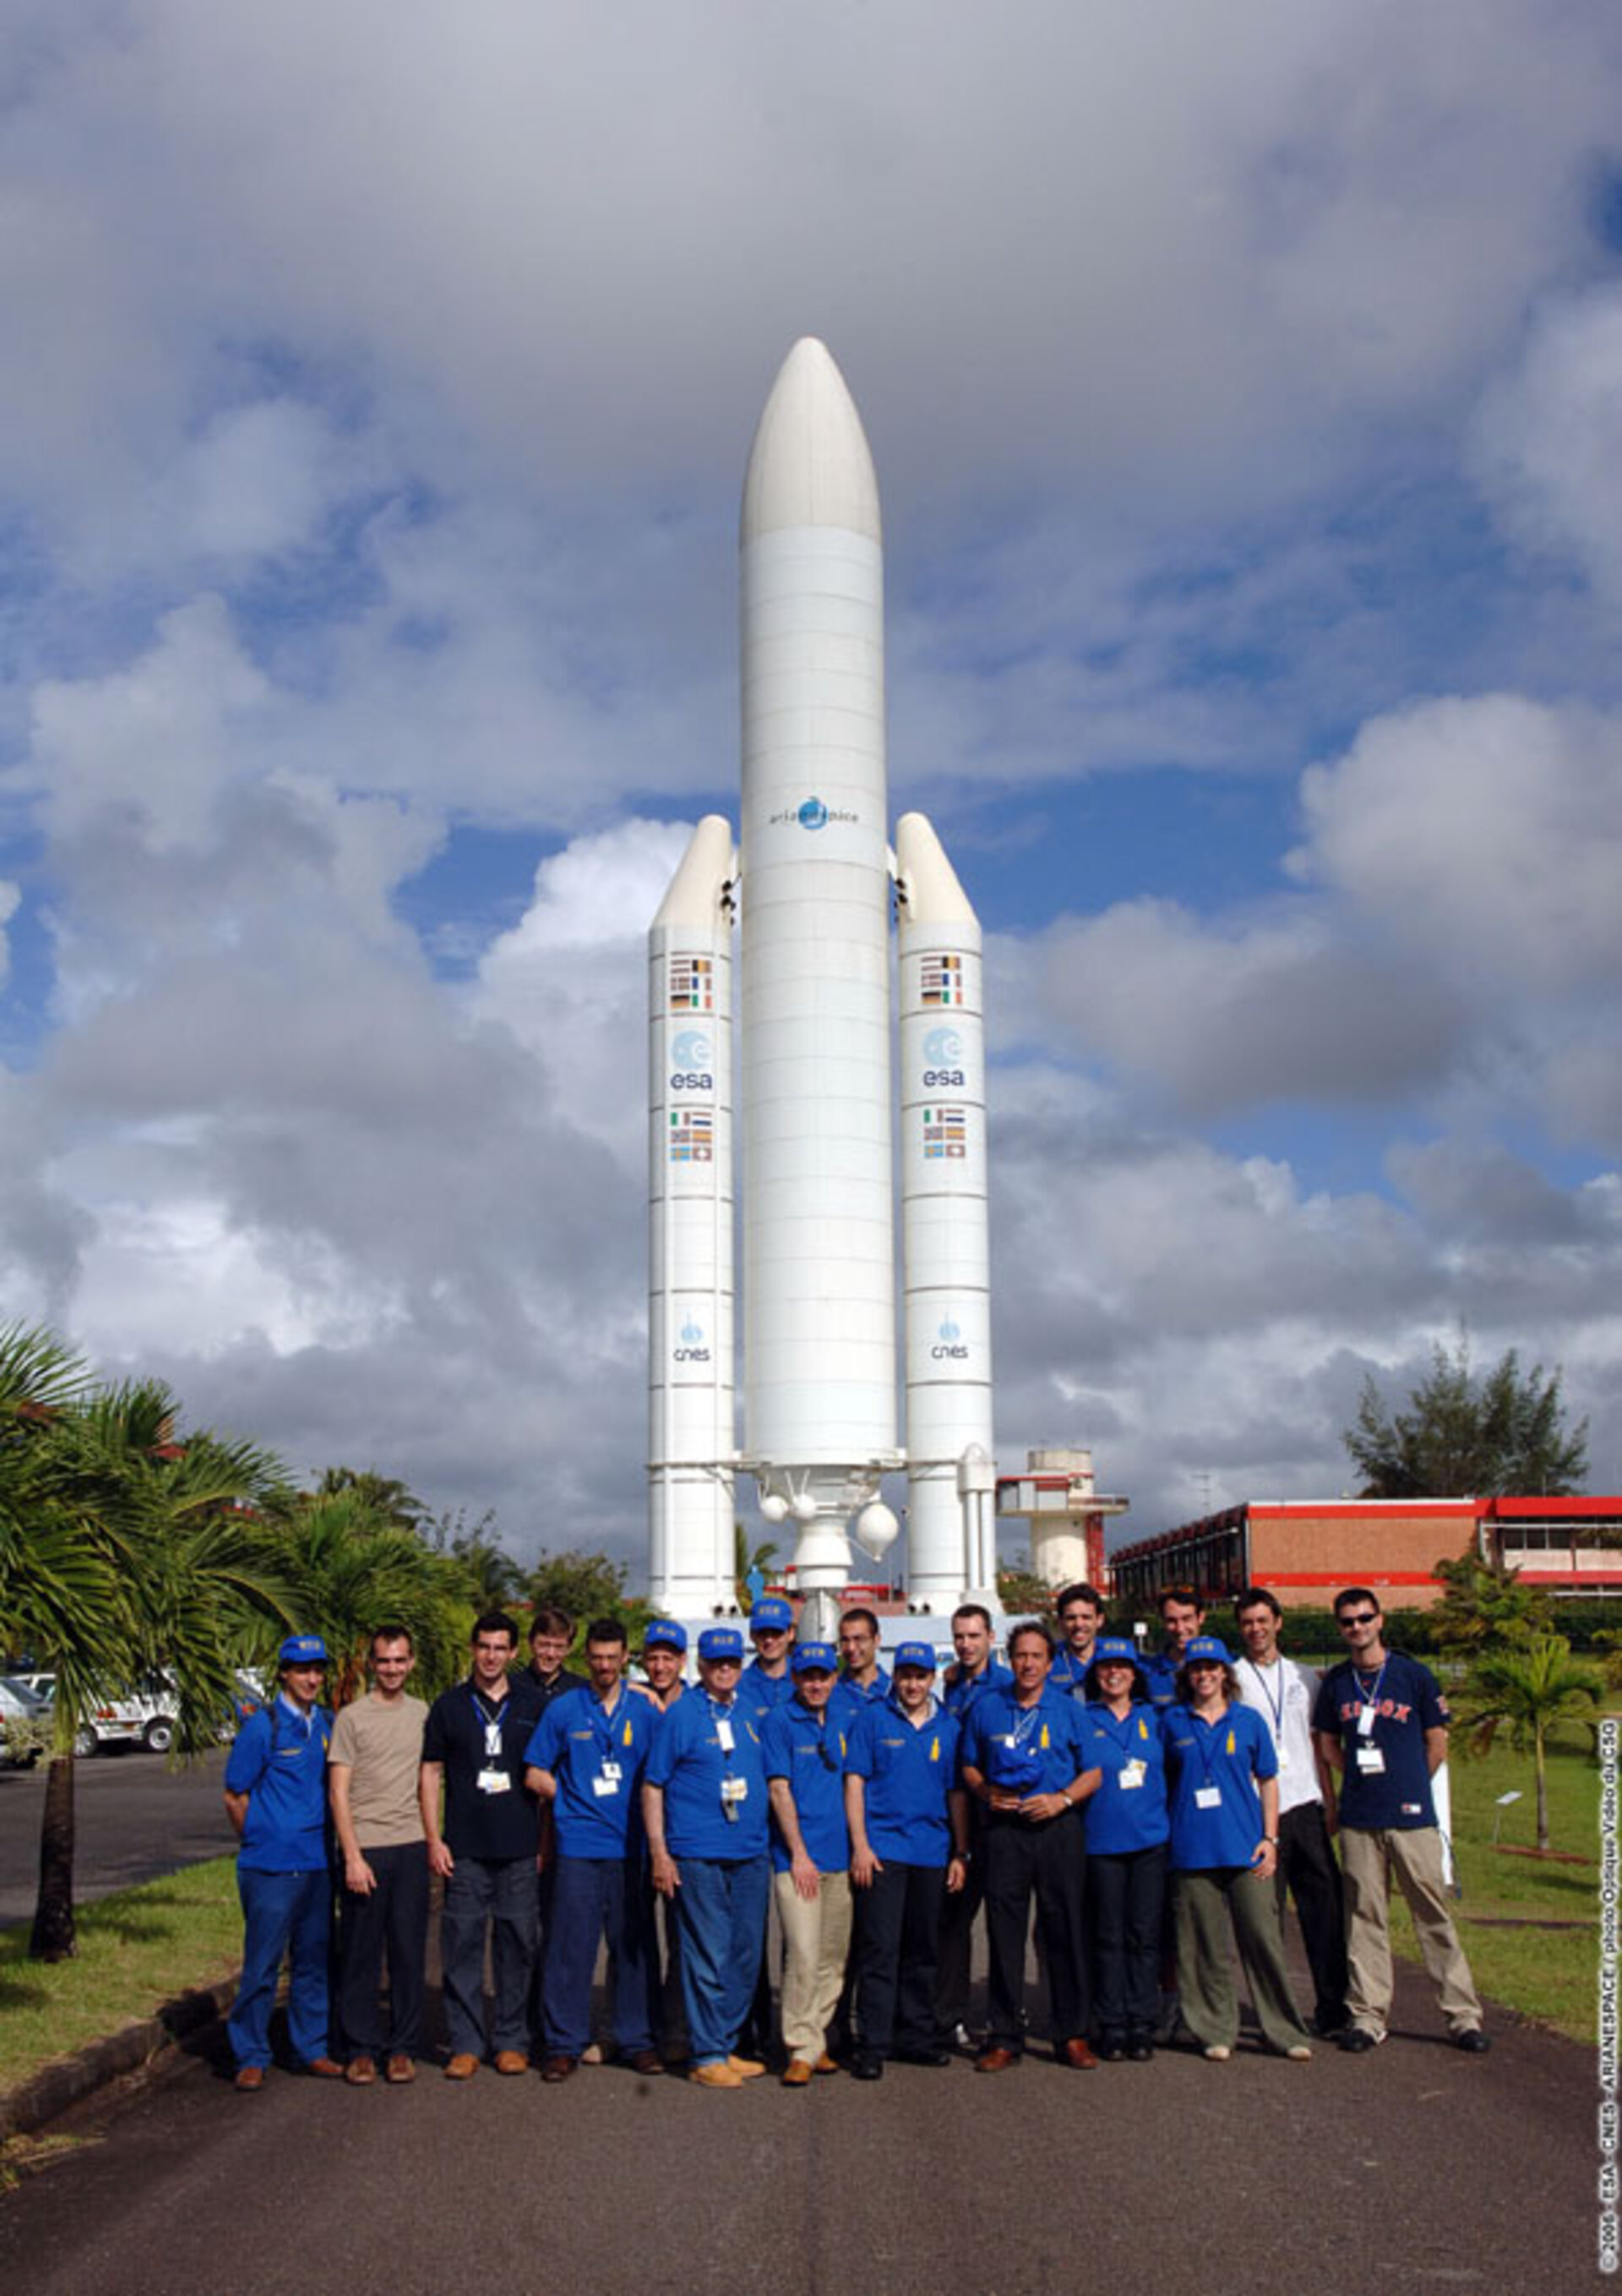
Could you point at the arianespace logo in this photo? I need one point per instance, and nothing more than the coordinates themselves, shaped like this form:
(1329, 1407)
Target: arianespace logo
(813, 813)
(949, 1346)
(943, 1053)
(692, 1348)
(690, 1062)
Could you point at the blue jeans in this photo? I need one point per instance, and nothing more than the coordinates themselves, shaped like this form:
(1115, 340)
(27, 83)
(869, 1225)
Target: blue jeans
(594, 1898)
(721, 1907)
(288, 1914)
(500, 1893)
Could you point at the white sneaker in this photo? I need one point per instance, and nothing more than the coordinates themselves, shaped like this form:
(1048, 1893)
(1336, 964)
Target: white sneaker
(1219, 2053)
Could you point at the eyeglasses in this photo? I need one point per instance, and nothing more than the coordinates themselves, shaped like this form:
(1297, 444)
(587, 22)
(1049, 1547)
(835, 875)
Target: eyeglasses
(1358, 1617)
(723, 1661)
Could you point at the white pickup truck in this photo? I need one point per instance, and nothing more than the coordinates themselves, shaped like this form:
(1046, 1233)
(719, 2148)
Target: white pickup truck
(144, 1719)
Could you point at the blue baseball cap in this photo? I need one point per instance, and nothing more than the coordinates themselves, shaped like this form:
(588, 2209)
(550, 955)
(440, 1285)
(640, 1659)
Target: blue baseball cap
(1113, 1650)
(721, 1642)
(664, 1634)
(773, 1610)
(303, 1650)
(1206, 1646)
(814, 1658)
(920, 1654)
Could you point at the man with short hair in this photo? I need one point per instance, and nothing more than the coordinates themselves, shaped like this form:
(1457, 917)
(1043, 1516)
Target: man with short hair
(586, 1758)
(1381, 1720)
(1282, 1692)
(1080, 1613)
(805, 1748)
(1181, 1618)
(767, 1680)
(275, 1799)
(473, 1746)
(1024, 1758)
(862, 1678)
(704, 1803)
(976, 1668)
(664, 1656)
(551, 1634)
(377, 1814)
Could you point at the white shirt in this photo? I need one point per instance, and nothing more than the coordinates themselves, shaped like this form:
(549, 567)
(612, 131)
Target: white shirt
(1283, 1694)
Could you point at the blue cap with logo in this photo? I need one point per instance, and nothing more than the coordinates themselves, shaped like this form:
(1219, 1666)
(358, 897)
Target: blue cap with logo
(664, 1634)
(303, 1650)
(1210, 1647)
(720, 1642)
(814, 1658)
(1113, 1650)
(773, 1610)
(921, 1654)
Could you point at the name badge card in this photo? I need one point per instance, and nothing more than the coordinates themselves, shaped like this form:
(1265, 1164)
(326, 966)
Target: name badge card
(1208, 1797)
(1133, 1774)
(1371, 1761)
(494, 1782)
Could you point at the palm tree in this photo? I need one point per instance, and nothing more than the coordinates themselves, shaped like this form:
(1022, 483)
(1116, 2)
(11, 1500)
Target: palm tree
(349, 1570)
(1531, 1687)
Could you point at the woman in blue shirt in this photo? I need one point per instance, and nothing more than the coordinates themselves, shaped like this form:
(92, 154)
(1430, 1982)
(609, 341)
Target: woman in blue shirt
(1224, 1848)
(1128, 1827)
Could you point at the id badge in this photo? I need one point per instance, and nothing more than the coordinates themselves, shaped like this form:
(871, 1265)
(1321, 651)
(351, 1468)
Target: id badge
(603, 1784)
(724, 1736)
(494, 1782)
(1283, 1755)
(1133, 1774)
(609, 1770)
(734, 1790)
(1371, 1761)
(1365, 1721)
(1208, 1797)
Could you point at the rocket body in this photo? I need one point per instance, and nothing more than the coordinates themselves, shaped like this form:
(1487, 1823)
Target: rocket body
(816, 1021)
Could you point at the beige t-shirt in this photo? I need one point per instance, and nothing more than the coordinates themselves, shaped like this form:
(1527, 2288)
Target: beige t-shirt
(382, 1747)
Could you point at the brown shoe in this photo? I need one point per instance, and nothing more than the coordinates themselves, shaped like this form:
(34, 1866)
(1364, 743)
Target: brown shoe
(798, 2075)
(827, 2064)
(325, 2068)
(646, 2061)
(511, 2061)
(558, 2069)
(249, 2078)
(461, 2067)
(1078, 2053)
(400, 2069)
(996, 2061)
(360, 2072)
(747, 2068)
(714, 2076)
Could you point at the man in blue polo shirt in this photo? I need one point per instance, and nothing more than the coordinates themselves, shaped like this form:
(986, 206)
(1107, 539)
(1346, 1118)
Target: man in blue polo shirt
(1181, 1618)
(1080, 1613)
(586, 1758)
(767, 1680)
(1381, 1720)
(863, 1681)
(1025, 1761)
(805, 1763)
(704, 1804)
(276, 1800)
(909, 1838)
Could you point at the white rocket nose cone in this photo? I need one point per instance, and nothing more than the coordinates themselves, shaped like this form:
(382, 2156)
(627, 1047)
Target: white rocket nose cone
(810, 464)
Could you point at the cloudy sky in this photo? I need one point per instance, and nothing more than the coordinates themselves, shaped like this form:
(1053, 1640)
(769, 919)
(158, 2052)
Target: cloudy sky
(1245, 385)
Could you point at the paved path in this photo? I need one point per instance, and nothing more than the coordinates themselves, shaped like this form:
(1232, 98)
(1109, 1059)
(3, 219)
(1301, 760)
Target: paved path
(1414, 2169)
(136, 1817)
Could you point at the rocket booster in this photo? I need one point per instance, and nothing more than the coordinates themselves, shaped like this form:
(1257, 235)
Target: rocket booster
(815, 1012)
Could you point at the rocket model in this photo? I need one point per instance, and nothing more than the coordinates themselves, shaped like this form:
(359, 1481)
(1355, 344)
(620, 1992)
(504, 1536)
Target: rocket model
(813, 880)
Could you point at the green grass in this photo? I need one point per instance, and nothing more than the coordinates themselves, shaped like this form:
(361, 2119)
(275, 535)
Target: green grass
(1549, 1974)
(137, 1950)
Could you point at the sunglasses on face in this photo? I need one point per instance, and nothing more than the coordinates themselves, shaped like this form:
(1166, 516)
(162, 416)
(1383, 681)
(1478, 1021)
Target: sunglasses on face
(1358, 1618)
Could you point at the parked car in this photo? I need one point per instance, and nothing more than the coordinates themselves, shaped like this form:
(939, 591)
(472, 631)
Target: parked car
(25, 1723)
(136, 1719)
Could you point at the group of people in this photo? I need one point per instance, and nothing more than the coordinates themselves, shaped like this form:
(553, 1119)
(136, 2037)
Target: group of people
(1145, 1807)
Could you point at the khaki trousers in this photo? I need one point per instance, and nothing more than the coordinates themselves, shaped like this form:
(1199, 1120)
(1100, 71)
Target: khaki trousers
(1209, 1900)
(1368, 1862)
(816, 1938)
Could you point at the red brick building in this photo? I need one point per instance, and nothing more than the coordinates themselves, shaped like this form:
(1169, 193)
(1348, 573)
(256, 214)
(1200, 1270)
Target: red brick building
(1305, 1549)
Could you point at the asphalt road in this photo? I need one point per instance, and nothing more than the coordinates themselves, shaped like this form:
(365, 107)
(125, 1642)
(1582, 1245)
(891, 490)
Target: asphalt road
(135, 1819)
(1412, 2168)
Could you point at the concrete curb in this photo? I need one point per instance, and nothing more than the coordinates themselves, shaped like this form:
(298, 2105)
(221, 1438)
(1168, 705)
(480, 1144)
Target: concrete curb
(134, 2048)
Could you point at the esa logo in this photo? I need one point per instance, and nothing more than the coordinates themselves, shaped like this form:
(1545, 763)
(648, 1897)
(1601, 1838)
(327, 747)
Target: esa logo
(692, 1348)
(690, 1056)
(943, 1049)
(948, 1346)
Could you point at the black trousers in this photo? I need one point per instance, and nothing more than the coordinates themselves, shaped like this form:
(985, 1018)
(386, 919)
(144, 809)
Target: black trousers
(1125, 1904)
(954, 1959)
(898, 1928)
(1046, 1860)
(1310, 1872)
(390, 1921)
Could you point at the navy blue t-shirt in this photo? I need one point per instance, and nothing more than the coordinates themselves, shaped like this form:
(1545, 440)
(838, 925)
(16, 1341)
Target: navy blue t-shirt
(808, 1750)
(908, 1772)
(1224, 1757)
(474, 1738)
(1129, 1810)
(597, 1760)
(1407, 1701)
(689, 1759)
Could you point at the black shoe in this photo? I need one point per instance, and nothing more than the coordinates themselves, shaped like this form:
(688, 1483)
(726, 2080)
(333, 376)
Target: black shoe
(1111, 2048)
(866, 2064)
(1473, 2041)
(934, 2057)
(1357, 2040)
(1140, 2051)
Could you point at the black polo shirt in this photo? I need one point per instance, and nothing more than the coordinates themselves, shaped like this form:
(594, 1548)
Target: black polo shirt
(476, 1824)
